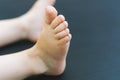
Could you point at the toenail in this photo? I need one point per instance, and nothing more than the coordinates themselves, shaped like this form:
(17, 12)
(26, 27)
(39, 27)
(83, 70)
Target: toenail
(67, 30)
(70, 36)
(66, 23)
(62, 18)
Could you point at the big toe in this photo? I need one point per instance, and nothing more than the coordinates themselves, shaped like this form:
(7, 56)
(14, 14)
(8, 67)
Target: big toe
(51, 14)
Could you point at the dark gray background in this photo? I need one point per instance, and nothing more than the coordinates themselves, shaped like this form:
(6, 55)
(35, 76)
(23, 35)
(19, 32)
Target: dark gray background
(95, 48)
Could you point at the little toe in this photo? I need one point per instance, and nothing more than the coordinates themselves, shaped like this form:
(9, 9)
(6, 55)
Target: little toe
(62, 34)
(66, 39)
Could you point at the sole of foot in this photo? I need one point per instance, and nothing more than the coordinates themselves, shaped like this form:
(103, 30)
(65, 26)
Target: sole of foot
(53, 43)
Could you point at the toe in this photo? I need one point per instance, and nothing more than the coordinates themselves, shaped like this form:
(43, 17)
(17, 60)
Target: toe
(52, 2)
(61, 27)
(57, 21)
(66, 39)
(62, 34)
(70, 36)
(51, 14)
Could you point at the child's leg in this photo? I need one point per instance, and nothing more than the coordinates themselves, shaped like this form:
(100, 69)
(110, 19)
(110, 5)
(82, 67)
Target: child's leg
(48, 56)
(18, 66)
(27, 26)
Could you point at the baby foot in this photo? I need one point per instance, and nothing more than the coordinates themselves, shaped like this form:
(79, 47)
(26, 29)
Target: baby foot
(33, 20)
(53, 43)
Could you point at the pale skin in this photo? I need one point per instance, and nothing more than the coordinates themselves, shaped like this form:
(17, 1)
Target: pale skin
(27, 26)
(47, 56)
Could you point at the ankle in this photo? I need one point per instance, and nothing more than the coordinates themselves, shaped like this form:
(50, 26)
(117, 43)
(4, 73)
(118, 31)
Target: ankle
(37, 64)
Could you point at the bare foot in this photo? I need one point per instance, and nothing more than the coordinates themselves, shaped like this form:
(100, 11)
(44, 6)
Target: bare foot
(33, 20)
(53, 43)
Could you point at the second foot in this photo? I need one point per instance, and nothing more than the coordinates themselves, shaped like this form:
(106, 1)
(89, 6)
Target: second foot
(33, 20)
